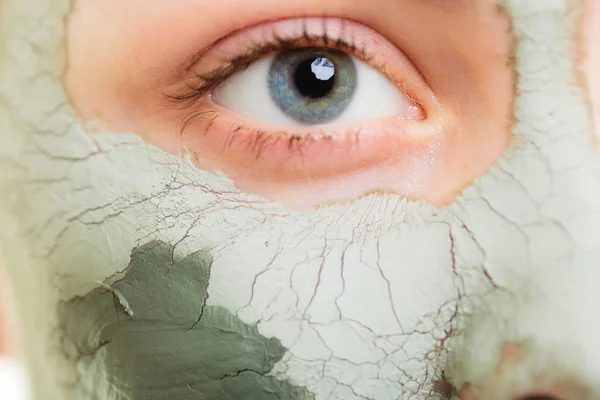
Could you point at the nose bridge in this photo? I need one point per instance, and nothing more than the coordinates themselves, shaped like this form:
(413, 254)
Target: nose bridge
(554, 153)
(547, 186)
(552, 114)
(553, 125)
(548, 312)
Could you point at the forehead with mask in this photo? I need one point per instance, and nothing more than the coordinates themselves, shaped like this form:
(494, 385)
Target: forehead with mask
(357, 200)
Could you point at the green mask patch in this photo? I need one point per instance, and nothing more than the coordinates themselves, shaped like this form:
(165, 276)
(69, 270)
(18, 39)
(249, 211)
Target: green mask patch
(152, 336)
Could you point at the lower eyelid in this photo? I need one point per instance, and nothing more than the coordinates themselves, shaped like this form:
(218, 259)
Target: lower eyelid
(322, 154)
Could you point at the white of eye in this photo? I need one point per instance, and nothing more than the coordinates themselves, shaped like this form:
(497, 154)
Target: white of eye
(375, 97)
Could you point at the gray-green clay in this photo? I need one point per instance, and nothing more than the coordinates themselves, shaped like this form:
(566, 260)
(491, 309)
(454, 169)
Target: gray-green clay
(159, 340)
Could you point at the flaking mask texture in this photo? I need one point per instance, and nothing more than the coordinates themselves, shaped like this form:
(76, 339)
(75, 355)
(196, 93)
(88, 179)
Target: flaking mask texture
(379, 284)
(152, 336)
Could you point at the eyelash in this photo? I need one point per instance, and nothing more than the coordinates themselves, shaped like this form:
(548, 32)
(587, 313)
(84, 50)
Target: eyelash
(211, 80)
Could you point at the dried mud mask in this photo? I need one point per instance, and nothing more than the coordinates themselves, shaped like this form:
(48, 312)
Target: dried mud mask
(144, 270)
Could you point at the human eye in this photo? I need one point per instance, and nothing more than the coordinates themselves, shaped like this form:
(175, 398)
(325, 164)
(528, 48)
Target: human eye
(313, 86)
(302, 110)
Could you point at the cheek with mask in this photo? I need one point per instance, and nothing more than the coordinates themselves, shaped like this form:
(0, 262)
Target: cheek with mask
(334, 200)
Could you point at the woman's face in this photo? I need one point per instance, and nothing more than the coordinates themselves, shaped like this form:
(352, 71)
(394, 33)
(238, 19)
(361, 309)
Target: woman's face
(326, 199)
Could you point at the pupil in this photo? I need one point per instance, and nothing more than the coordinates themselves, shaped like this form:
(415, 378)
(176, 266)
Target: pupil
(315, 77)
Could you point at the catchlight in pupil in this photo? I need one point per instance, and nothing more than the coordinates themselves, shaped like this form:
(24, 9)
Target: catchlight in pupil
(312, 85)
(315, 77)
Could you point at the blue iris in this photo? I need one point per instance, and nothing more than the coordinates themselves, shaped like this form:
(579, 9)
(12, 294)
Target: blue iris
(312, 85)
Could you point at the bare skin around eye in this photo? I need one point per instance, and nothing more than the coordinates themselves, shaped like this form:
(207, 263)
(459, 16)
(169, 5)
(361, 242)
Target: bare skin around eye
(465, 81)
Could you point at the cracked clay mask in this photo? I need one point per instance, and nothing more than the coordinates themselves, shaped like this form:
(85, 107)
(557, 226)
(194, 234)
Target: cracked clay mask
(327, 200)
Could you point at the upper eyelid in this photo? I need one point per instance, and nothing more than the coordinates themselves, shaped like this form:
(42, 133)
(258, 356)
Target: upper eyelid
(213, 78)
